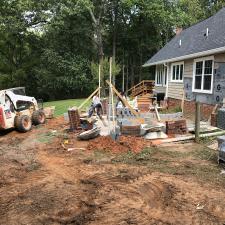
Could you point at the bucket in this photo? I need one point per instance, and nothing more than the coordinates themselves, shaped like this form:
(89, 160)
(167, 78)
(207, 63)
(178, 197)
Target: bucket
(49, 112)
(66, 117)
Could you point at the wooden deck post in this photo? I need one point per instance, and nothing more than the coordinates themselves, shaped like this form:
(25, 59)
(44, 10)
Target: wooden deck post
(197, 121)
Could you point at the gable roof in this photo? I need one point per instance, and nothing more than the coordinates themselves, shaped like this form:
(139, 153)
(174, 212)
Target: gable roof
(194, 42)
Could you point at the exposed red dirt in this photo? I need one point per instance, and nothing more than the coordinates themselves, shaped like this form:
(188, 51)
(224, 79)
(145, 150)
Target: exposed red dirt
(122, 144)
(42, 183)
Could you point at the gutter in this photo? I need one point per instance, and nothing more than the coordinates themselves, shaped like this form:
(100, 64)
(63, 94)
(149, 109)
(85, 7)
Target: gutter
(194, 55)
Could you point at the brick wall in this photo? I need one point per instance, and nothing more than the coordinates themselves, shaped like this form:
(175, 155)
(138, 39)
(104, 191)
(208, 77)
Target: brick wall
(176, 127)
(189, 108)
(214, 119)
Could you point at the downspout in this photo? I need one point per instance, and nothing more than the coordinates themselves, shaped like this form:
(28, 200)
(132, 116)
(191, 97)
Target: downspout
(167, 80)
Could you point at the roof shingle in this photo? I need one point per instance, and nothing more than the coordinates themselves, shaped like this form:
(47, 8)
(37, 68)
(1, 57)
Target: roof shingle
(194, 40)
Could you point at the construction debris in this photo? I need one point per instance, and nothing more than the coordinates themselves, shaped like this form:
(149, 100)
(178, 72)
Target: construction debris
(155, 135)
(176, 127)
(123, 144)
(49, 112)
(221, 148)
(74, 119)
(90, 134)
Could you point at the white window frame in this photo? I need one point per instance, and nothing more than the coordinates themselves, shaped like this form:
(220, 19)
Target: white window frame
(203, 69)
(165, 75)
(171, 74)
(163, 81)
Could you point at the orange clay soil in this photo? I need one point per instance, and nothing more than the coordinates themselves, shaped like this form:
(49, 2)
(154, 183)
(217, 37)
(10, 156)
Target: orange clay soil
(122, 144)
(43, 183)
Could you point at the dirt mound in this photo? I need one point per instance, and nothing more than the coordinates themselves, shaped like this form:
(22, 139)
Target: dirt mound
(123, 144)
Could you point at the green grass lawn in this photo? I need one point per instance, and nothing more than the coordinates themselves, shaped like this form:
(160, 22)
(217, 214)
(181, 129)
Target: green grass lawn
(63, 105)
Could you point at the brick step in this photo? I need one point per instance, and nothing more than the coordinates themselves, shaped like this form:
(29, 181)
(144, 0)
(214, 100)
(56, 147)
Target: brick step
(144, 101)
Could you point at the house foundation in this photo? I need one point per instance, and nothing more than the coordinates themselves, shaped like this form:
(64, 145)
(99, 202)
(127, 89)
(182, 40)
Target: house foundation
(189, 108)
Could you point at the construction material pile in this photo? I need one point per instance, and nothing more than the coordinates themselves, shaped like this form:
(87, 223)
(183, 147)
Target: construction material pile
(123, 144)
(74, 118)
(176, 127)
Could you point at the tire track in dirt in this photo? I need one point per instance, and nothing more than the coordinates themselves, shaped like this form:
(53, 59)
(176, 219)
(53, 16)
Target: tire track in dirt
(148, 200)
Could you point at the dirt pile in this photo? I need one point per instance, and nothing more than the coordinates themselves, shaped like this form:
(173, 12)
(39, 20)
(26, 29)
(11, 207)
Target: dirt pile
(123, 144)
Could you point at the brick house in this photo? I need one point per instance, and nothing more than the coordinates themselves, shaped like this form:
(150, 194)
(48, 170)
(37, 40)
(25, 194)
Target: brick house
(191, 67)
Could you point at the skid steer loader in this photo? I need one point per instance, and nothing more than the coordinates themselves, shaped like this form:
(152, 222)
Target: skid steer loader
(18, 110)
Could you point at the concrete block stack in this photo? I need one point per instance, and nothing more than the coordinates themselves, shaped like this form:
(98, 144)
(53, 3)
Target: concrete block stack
(74, 119)
(176, 127)
(221, 118)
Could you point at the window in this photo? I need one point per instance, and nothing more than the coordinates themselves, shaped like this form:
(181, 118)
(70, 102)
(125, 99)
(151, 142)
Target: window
(203, 75)
(161, 75)
(177, 71)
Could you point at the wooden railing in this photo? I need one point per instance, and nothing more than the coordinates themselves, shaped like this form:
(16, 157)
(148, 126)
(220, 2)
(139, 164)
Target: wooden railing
(144, 87)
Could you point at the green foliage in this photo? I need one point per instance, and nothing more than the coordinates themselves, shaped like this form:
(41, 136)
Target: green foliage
(116, 68)
(53, 47)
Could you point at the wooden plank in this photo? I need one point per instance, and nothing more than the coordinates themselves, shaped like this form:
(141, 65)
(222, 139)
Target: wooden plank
(156, 112)
(87, 99)
(99, 80)
(182, 102)
(213, 111)
(125, 102)
(197, 121)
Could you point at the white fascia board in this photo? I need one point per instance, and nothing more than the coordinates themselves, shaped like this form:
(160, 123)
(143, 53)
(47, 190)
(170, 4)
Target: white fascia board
(194, 55)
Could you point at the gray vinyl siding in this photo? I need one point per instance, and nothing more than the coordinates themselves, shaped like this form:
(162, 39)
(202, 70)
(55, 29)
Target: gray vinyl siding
(175, 89)
(188, 68)
(219, 57)
(160, 89)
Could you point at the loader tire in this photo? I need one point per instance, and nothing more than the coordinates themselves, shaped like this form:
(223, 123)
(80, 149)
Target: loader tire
(38, 117)
(23, 123)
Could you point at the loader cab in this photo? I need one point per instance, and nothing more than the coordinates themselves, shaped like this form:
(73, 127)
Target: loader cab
(18, 91)
(7, 111)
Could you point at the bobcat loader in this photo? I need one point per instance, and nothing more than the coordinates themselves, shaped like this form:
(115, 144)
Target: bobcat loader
(18, 110)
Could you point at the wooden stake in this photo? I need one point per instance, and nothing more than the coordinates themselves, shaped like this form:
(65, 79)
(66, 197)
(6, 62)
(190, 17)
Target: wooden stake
(182, 102)
(87, 99)
(157, 112)
(111, 90)
(99, 80)
(197, 121)
(125, 102)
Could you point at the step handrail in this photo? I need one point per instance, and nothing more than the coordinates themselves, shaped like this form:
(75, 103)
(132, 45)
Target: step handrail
(140, 87)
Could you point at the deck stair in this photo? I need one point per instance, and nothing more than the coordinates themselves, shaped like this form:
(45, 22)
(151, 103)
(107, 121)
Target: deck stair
(144, 102)
(142, 88)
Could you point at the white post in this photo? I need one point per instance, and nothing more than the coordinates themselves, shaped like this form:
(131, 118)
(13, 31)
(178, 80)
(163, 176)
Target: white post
(167, 80)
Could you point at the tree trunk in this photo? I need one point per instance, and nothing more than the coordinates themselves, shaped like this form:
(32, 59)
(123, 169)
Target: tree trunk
(114, 19)
(140, 72)
(132, 73)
